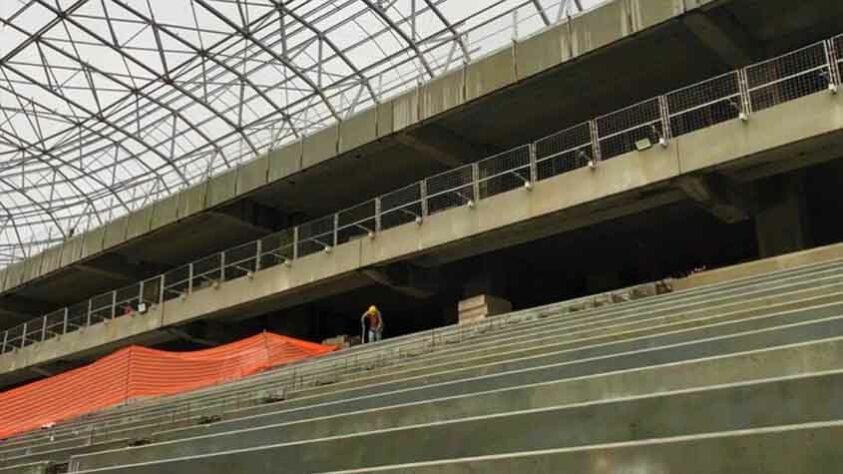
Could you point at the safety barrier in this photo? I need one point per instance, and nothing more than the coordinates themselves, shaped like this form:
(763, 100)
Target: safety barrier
(142, 372)
(735, 95)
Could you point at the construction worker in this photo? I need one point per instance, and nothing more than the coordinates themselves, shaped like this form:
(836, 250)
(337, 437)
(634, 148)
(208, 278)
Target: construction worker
(375, 320)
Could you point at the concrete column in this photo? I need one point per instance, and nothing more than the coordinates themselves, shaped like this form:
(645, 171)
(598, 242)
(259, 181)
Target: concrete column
(781, 223)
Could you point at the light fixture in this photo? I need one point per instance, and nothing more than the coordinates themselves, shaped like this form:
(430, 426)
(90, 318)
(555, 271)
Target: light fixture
(832, 87)
(528, 185)
(470, 203)
(288, 263)
(418, 220)
(643, 144)
(327, 249)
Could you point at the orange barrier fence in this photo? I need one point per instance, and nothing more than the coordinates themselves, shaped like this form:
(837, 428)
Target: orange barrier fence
(142, 372)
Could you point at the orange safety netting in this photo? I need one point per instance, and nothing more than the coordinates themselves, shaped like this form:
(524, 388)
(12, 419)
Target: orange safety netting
(142, 372)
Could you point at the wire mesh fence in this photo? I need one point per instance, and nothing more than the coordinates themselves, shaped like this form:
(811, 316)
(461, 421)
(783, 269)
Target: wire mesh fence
(55, 324)
(206, 272)
(240, 261)
(705, 104)
(316, 236)
(77, 316)
(564, 151)
(738, 94)
(619, 132)
(177, 282)
(788, 77)
(13, 338)
(450, 189)
(152, 288)
(33, 332)
(402, 206)
(102, 308)
(504, 172)
(127, 300)
(277, 248)
(358, 221)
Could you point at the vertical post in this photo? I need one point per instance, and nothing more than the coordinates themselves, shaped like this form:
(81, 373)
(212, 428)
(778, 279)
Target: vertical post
(23, 336)
(534, 169)
(833, 58)
(258, 253)
(90, 310)
(44, 329)
(5, 340)
(64, 323)
(161, 289)
(746, 101)
(222, 267)
(141, 286)
(190, 277)
(295, 243)
(595, 141)
(113, 304)
(475, 181)
(378, 222)
(336, 228)
(664, 112)
(423, 194)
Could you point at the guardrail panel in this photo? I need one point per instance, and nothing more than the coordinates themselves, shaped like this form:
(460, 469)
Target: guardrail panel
(789, 77)
(504, 172)
(402, 206)
(564, 151)
(619, 132)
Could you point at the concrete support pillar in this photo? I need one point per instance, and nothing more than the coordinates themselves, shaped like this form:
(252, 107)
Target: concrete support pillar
(781, 223)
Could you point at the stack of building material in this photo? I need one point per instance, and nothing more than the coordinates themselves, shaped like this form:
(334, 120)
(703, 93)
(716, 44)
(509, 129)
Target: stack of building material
(482, 306)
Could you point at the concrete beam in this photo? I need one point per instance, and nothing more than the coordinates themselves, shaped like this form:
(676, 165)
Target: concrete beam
(724, 36)
(255, 217)
(22, 307)
(407, 279)
(42, 372)
(441, 145)
(118, 267)
(719, 196)
(184, 335)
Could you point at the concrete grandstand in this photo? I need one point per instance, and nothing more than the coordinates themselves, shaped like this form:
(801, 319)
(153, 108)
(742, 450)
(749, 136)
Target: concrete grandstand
(604, 236)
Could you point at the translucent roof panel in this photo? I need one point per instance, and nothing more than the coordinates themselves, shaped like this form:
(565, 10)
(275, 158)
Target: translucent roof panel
(107, 105)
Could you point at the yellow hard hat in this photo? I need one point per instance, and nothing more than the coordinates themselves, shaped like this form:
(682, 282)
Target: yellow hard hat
(372, 309)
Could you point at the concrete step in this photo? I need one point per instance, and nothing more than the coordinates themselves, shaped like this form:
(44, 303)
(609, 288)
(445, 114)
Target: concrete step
(598, 346)
(826, 268)
(582, 363)
(810, 448)
(723, 287)
(531, 337)
(370, 441)
(590, 351)
(63, 454)
(32, 468)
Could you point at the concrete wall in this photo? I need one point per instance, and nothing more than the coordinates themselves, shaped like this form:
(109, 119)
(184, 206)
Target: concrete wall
(558, 44)
(518, 214)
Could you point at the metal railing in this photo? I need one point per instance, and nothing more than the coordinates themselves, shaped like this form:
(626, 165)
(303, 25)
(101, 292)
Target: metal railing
(735, 95)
